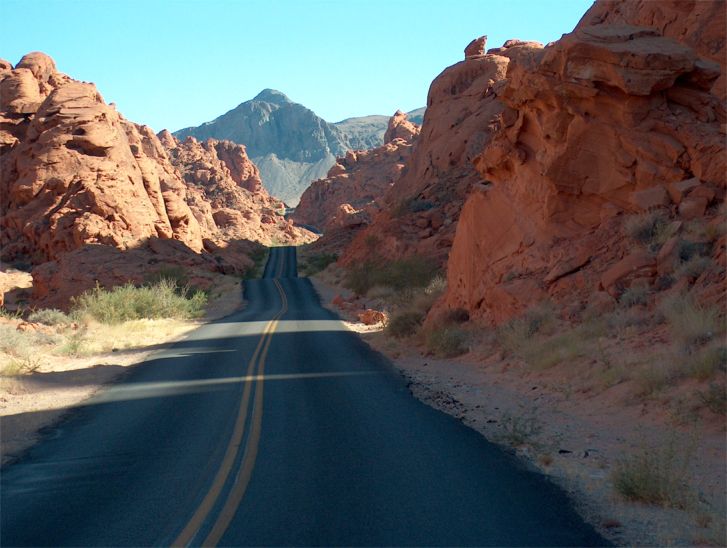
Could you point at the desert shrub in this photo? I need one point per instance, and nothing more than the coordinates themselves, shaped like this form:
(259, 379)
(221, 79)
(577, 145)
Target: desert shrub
(653, 376)
(690, 323)
(403, 324)
(446, 342)
(456, 315)
(657, 476)
(23, 343)
(163, 299)
(173, 273)
(360, 278)
(706, 362)
(693, 267)
(259, 256)
(412, 205)
(518, 332)
(318, 263)
(402, 274)
(26, 365)
(50, 316)
(634, 295)
(646, 227)
(520, 429)
(714, 398)
(687, 249)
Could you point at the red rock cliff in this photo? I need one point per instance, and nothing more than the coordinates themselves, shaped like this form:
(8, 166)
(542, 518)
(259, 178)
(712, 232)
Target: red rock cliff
(611, 119)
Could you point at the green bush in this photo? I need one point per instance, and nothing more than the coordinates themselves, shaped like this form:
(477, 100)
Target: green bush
(50, 316)
(447, 342)
(403, 324)
(164, 299)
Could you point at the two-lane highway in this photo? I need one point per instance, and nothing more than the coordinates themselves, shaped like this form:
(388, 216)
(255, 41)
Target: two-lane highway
(274, 426)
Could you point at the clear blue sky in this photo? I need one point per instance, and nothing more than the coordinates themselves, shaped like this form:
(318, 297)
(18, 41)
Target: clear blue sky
(172, 64)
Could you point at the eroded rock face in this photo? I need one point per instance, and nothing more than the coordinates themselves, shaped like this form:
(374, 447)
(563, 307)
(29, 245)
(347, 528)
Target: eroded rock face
(356, 184)
(420, 211)
(225, 193)
(611, 119)
(698, 24)
(74, 173)
(81, 174)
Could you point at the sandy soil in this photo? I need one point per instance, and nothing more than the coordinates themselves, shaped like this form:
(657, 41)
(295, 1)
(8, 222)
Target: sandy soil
(29, 403)
(571, 435)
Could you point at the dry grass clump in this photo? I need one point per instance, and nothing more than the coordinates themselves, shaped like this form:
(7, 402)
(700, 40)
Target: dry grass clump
(50, 316)
(657, 476)
(538, 340)
(20, 350)
(634, 296)
(691, 324)
(447, 341)
(648, 227)
(693, 267)
(404, 324)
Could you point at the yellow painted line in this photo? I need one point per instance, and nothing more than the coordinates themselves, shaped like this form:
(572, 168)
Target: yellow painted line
(238, 489)
(258, 357)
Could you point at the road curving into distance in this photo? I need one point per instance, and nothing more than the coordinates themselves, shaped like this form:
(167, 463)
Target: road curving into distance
(274, 426)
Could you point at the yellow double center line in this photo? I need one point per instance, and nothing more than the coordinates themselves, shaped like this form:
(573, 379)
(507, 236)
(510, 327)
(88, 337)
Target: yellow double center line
(239, 486)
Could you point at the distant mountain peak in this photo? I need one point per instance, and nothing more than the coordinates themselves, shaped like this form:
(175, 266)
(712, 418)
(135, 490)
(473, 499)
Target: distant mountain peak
(272, 96)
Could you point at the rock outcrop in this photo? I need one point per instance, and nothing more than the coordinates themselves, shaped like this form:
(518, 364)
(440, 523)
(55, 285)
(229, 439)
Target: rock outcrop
(420, 211)
(355, 185)
(610, 120)
(226, 195)
(75, 175)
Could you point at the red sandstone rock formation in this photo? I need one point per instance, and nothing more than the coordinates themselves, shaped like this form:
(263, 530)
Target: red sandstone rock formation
(355, 185)
(226, 194)
(476, 47)
(698, 24)
(74, 173)
(422, 208)
(611, 119)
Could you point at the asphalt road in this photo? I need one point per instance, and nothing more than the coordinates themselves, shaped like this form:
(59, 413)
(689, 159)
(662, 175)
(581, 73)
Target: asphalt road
(274, 426)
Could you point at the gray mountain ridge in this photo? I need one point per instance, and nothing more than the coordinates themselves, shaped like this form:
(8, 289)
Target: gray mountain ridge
(289, 143)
